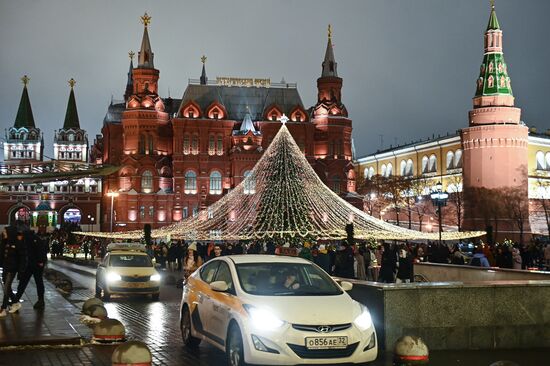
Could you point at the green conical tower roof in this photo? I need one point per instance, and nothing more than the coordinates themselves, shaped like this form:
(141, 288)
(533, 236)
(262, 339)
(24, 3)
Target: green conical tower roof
(24, 116)
(71, 117)
(493, 75)
(493, 21)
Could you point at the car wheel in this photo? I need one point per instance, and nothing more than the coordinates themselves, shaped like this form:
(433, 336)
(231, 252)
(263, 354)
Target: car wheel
(155, 297)
(234, 351)
(185, 327)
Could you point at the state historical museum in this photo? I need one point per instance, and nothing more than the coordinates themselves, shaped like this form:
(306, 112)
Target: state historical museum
(178, 156)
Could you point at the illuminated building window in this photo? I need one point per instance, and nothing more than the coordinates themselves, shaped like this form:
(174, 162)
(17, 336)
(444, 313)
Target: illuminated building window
(211, 145)
(219, 147)
(541, 163)
(195, 145)
(425, 166)
(195, 211)
(249, 184)
(216, 114)
(190, 182)
(191, 114)
(335, 184)
(186, 145)
(450, 160)
(147, 182)
(433, 164)
(215, 182)
(151, 211)
(458, 158)
(185, 212)
(142, 212)
(274, 117)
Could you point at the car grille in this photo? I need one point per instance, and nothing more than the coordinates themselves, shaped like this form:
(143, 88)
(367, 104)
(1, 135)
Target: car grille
(132, 290)
(303, 352)
(315, 328)
(135, 279)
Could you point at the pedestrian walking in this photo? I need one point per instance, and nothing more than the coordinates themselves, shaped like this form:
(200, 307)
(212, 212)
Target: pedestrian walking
(13, 260)
(344, 261)
(86, 249)
(192, 260)
(361, 266)
(37, 256)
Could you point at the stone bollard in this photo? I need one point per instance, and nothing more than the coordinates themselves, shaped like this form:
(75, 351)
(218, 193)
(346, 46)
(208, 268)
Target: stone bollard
(98, 311)
(89, 303)
(109, 331)
(132, 353)
(410, 350)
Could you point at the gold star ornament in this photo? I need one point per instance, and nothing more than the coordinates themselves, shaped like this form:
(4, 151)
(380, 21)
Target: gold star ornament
(72, 82)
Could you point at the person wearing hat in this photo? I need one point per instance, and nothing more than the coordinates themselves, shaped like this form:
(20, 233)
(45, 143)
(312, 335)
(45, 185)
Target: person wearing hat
(13, 260)
(322, 259)
(192, 260)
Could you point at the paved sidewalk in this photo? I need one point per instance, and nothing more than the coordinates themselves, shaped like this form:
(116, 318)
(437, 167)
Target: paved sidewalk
(57, 324)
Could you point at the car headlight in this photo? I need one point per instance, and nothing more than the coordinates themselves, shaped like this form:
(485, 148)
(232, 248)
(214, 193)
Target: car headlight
(363, 321)
(155, 277)
(113, 277)
(262, 319)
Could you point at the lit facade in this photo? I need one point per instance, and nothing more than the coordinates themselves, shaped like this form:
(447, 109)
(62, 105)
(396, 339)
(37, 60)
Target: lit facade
(178, 156)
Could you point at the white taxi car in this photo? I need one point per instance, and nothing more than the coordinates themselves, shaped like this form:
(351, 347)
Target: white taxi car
(275, 310)
(127, 270)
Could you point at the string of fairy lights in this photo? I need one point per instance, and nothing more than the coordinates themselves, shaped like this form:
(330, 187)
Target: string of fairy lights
(283, 199)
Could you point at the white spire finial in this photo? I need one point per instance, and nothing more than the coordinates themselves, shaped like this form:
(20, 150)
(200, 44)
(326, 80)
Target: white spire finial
(283, 119)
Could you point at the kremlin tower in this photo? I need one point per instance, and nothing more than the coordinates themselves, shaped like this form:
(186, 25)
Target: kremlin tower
(495, 143)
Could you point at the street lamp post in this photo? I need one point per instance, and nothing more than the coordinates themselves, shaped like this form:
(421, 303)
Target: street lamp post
(439, 199)
(112, 195)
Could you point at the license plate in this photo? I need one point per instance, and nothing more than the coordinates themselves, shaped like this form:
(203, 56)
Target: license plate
(326, 342)
(136, 284)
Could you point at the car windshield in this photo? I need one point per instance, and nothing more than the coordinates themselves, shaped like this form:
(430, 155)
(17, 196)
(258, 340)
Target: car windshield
(129, 260)
(285, 279)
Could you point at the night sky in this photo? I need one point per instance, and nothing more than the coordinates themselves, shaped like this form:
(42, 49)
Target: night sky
(409, 66)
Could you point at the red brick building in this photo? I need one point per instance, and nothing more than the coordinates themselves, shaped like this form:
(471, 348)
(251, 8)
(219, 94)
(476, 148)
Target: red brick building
(179, 156)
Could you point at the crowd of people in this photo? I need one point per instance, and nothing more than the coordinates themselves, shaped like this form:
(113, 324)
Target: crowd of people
(24, 253)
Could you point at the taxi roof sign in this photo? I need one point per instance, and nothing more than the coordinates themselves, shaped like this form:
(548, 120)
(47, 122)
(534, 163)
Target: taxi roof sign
(132, 247)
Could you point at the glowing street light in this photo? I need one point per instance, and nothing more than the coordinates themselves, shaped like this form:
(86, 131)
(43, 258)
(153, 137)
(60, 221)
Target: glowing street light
(439, 199)
(112, 195)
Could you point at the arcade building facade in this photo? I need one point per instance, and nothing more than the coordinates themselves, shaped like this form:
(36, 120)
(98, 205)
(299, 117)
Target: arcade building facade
(46, 194)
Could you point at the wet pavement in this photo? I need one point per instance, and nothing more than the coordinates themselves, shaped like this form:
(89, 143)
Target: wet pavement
(156, 323)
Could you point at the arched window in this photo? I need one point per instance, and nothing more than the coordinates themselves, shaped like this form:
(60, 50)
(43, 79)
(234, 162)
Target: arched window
(190, 182)
(215, 182)
(410, 168)
(389, 170)
(249, 182)
(70, 137)
(403, 168)
(383, 170)
(541, 163)
(433, 164)
(548, 161)
(371, 172)
(211, 145)
(425, 165)
(450, 160)
(147, 182)
(219, 145)
(458, 158)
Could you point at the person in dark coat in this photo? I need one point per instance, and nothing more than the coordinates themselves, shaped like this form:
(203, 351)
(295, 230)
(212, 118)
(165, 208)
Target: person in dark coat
(322, 259)
(405, 272)
(13, 260)
(37, 256)
(388, 265)
(343, 266)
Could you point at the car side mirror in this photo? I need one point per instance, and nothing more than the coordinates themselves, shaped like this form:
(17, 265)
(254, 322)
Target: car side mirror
(346, 286)
(219, 286)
